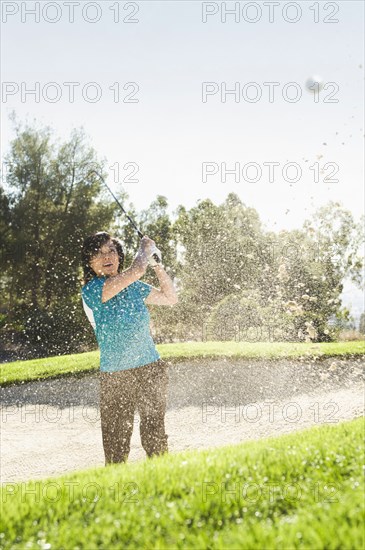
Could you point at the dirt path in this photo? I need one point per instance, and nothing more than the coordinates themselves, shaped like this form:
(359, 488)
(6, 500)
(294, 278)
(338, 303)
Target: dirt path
(52, 427)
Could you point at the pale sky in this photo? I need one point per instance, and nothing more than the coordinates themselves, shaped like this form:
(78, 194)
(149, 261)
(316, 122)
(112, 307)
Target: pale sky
(170, 132)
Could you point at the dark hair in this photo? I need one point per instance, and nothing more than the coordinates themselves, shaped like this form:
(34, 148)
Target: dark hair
(90, 247)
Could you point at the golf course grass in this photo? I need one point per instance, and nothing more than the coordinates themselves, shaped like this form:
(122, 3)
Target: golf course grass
(303, 490)
(36, 369)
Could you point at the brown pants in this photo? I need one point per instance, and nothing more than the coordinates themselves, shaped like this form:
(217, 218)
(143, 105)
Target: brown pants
(121, 393)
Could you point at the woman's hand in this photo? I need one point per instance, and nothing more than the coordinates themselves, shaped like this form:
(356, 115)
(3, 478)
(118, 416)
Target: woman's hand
(147, 245)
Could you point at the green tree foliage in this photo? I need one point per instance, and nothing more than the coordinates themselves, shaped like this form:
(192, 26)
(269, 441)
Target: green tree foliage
(245, 316)
(156, 223)
(230, 272)
(217, 242)
(295, 276)
(54, 205)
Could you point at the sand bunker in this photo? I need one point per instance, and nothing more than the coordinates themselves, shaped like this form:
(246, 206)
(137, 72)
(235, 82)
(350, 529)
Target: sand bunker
(52, 427)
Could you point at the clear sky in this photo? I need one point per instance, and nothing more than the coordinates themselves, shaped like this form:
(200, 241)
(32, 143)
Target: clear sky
(169, 52)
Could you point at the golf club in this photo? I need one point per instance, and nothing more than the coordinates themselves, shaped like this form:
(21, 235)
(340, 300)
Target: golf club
(156, 254)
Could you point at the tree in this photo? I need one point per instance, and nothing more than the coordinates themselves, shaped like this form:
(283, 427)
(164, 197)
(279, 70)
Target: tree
(156, 222)
(338, 239)
(298, 274)
(362, 324)
(217, 260)
(53, 202)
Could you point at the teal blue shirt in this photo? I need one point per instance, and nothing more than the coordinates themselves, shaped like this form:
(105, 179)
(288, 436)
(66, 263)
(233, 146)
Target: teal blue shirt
(121, 325)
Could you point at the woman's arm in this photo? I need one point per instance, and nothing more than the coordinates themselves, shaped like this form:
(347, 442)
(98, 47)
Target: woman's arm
(116, 283)
(166, 294)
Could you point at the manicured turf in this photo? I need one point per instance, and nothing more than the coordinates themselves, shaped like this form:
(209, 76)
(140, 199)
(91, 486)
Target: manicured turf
(23, 371)
(303, 490)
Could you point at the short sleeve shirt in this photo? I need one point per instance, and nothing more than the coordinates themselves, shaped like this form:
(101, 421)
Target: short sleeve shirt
(121, 325)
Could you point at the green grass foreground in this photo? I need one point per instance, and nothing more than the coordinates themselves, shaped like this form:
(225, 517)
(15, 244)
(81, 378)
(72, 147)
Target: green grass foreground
(36, 369)
(303, 490)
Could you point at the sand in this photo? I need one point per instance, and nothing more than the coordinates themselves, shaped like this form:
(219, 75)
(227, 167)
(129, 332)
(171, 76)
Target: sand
(52, 427)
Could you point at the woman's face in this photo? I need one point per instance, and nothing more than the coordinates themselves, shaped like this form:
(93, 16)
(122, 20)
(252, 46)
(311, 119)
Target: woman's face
(106, 261)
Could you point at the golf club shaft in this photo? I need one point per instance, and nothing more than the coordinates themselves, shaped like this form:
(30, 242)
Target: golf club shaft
(140, 234)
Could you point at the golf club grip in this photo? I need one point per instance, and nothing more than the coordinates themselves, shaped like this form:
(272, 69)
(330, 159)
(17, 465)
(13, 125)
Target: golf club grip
(156, 258)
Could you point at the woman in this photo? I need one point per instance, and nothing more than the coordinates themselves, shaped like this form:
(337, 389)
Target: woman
(132, 373)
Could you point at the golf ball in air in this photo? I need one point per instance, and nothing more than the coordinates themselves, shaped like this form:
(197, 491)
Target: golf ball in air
(314, 83)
